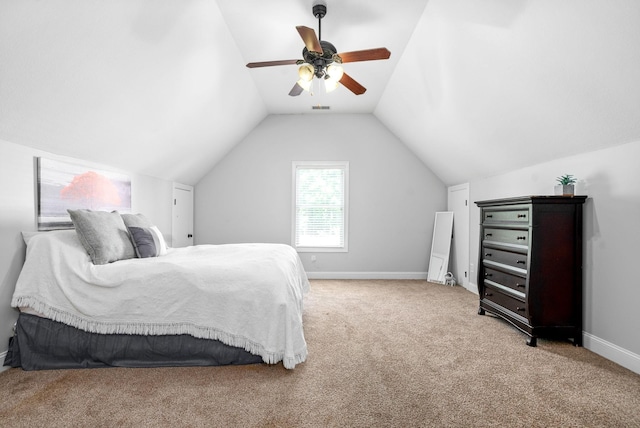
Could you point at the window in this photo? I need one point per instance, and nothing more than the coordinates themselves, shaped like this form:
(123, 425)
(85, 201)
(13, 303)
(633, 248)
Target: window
(320, 206)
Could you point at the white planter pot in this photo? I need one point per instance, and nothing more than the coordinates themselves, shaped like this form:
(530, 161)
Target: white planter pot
(564, 190)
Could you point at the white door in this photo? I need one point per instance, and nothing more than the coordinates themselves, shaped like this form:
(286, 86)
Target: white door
(182, 223)
(459, 204)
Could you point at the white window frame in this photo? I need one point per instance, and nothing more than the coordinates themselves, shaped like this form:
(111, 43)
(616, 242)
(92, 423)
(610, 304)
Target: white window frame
(344, 165)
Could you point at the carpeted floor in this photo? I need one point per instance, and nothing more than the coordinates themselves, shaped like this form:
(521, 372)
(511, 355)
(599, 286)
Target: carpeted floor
(381, 353)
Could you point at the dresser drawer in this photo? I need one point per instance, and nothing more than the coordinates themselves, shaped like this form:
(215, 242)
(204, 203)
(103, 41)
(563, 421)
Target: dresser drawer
(514, 282)
(516, 260)
(506, 236)
(519, 215)
(506, 301)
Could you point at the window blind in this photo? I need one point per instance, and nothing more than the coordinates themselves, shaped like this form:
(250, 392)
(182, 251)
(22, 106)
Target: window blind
(320, 206)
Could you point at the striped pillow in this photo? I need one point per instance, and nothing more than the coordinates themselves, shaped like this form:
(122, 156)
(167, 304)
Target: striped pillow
(148, 241)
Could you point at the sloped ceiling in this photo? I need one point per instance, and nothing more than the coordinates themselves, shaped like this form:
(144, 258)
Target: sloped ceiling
(491, 86)
(473, 87)
(149, 86)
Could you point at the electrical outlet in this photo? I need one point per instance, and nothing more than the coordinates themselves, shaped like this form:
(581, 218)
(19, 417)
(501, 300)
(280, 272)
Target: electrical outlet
(313, 258)
(472, 268)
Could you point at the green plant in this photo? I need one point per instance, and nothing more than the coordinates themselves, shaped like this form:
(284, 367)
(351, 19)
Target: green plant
(566, 179)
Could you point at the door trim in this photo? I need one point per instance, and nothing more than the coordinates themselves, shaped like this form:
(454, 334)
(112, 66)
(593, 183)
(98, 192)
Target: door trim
(178, 187)
(460, 232)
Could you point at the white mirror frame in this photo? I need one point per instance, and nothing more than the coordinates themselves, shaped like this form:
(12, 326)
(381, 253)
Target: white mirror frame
(440, 247)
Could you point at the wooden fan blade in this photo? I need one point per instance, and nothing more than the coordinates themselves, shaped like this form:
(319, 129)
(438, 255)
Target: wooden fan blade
(296, 90)
(365, 55)
(309, 38)
(352, 85)
(272, 63)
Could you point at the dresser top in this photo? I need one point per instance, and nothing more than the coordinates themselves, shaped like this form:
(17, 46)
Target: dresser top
(534, 199)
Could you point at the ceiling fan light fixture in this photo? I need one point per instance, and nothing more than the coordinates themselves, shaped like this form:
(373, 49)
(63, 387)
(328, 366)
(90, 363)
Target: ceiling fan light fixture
(306, 72)
(330, 85)
(335, 72)
(333, 75)
(304, 84)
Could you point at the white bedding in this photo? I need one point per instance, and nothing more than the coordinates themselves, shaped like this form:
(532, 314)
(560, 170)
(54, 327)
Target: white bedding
(245, 295)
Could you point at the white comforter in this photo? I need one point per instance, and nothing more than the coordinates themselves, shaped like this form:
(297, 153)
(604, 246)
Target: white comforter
(245, 295)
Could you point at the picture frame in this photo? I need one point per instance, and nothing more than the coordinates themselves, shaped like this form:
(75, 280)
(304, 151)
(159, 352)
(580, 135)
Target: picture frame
(63, 185)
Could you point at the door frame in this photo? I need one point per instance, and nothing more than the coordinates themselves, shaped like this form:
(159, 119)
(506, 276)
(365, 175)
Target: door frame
(458, 202)
(178, 187)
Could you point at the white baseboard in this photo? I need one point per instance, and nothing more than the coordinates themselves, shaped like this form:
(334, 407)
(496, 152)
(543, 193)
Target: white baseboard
(3, 355)
(367, 275)
(472, 288)
(608, 350)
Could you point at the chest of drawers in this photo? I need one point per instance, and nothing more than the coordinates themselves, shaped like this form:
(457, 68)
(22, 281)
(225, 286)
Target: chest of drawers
(530, 264)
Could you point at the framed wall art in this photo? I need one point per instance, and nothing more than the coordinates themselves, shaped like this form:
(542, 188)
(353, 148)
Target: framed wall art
(64, 185)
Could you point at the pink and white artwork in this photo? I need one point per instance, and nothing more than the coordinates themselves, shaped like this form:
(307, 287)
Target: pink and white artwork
(64, 185)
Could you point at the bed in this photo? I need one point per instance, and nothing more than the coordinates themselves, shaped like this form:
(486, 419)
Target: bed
(199, 305)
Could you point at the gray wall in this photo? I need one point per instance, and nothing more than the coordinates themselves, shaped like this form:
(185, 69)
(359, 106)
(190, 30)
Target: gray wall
(393, 197)
(611, 179)
(17, 213)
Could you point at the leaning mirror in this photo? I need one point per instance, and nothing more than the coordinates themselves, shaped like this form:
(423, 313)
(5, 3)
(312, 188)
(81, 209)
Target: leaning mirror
(440, 247)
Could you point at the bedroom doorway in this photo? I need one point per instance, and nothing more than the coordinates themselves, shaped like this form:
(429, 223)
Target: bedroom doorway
(182, 216)
(458, 202)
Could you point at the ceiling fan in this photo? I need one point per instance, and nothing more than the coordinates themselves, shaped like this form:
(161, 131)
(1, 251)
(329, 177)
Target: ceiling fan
(320, 59)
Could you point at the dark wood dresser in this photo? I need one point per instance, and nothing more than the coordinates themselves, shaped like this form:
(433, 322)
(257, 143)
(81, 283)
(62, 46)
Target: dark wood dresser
(530, 267)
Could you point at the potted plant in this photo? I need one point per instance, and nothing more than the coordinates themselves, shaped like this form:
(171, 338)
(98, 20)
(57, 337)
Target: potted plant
(565, 185)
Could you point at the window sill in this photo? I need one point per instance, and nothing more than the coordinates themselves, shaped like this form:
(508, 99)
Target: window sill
(321, 249)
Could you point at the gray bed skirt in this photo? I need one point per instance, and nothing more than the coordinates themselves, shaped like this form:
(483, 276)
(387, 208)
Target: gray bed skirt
(41, 344)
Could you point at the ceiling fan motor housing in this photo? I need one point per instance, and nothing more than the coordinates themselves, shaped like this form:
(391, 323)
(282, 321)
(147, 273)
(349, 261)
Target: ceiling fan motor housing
(320, 62)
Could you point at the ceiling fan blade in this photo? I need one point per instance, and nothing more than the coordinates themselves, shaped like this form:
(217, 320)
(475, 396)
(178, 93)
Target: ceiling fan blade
(296, 90)
(309, 38)
(365, 55)
(272, 63)
(352, 85)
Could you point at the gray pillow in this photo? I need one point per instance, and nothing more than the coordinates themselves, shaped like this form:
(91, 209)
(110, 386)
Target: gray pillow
(103, 234)
(136, 220)
(148, 241)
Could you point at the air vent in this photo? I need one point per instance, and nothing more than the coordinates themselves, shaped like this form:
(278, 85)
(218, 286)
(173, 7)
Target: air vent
(320, 107)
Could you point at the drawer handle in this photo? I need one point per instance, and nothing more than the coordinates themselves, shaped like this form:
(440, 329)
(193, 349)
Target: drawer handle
(519, 285)
(489, 215)
(521, 262)
(522, 216)
(521, 238)
(519, 309)
(488, 255)
(487, 275)
(487, 294)
(488, 235)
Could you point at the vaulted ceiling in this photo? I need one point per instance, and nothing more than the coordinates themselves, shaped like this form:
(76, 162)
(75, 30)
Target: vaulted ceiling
(265, 31)
(472, 87)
